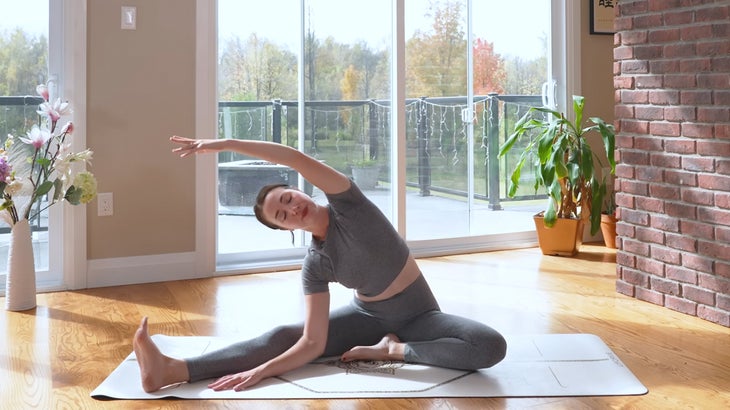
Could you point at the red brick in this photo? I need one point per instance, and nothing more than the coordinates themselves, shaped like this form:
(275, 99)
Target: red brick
(651, 52)
(698, 263)
(648, 21)
(664, 97)
(649, 296)
(634, 67)
(677, 177)
(696, 229)
(680, 146)
(714, 283)
(680, 113)
(634, 247)
(696, 97)
(722, 269)
(650, 266)
(664, 286)
(698, 164)
(663, 66)
(712, 80)
(714, 216)
(663, 36)
(664, 192)
(720, 97)
(669, 129)
(680, 305)
(723, 302)
(624, 229)
(649, 112)
(649, 81)
(713, 48)
(623, 82)
(649, 204)
(665, 254)
(674, 18)
(683, 243)
(698, 196)
(627, 260)
(680, 80)
(650, 174)
(714, 182)
(634, 37)
(723, 166)
(699, 295)
(721, 64)
(635, 277)
(664, 160)
(697, 130)
(679, 210)
(695, 65)
(722, 200)
(722, 234)
(648, 235)
(679, 51)
(714, 315)
(681, 274)
(714, 250)
(664, 223)
(714, 148)
(634, 126)
(635, 217)
(634, 96)
(635, 157)
(696, 32)
(712, 13)
(713, 114)
(722, 131)
(625, 288)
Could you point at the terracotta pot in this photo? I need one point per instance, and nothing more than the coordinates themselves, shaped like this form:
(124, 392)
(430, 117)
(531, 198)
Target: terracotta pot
(562, 239)
(608, 229)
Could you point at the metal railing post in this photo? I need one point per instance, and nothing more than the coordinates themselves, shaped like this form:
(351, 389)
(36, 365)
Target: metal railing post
(424, 161)
(493, 153)
(373, 129)
(276, 121)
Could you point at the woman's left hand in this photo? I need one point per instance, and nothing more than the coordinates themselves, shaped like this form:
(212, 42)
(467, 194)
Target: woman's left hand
(238, 381)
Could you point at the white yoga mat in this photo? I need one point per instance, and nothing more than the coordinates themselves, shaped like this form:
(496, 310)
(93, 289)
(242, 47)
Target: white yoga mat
(551, 365)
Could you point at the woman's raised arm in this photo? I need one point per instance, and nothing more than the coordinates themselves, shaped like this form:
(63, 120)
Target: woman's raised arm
(321, 175)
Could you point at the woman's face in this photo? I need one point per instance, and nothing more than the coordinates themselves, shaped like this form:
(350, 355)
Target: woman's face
(289, 208)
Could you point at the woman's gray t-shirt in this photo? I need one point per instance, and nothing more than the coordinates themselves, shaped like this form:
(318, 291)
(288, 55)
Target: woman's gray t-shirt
(361, 251)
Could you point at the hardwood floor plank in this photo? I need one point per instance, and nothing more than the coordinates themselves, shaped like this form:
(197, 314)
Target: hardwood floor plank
(54, 356)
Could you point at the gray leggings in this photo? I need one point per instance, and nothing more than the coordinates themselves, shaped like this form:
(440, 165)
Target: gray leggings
(431, 336)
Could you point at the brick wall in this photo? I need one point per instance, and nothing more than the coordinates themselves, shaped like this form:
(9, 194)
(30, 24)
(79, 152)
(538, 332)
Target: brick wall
(672, 80)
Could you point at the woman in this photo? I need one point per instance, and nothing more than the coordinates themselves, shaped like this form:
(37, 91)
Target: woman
(393, 315)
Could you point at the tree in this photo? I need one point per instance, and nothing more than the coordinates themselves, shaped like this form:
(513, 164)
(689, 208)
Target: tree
(436, 61)
(23, 63)
(489, 72)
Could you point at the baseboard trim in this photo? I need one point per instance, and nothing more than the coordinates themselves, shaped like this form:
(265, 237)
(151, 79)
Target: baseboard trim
(141, 269)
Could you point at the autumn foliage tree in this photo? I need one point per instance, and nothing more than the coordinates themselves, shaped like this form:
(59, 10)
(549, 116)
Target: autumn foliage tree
(489, 72)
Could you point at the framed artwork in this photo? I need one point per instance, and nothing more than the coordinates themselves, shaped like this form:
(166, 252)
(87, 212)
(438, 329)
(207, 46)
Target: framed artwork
(602, 13)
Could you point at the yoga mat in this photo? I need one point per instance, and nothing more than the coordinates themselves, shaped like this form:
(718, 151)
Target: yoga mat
(552, 365)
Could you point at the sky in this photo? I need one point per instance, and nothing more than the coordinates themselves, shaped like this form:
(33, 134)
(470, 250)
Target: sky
(515, 26)
(370, 20)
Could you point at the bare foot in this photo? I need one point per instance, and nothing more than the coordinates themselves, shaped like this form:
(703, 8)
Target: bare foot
(156, 369)
(389, 348)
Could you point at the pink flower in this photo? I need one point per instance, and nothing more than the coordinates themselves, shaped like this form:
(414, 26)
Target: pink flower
(37, 137)
(68, 128)
(55, 111)
(42, 90)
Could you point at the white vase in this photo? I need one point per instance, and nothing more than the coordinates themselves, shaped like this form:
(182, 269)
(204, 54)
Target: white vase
(20, 291)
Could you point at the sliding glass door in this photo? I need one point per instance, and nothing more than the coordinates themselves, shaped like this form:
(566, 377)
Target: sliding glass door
(316, 75)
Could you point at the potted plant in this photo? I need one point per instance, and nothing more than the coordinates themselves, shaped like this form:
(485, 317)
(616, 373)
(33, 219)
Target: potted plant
(565, 167)
(365, 173)
(608, 218)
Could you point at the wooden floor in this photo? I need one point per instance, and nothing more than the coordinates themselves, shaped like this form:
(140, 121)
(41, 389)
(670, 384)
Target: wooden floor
(54, 356)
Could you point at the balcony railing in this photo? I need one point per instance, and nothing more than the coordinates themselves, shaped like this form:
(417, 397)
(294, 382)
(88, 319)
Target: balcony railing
(343, 132)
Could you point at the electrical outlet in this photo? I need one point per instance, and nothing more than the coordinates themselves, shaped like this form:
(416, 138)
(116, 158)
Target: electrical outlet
(105, 204)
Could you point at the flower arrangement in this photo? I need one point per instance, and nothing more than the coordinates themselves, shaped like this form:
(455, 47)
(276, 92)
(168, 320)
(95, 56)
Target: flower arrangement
(41, 165)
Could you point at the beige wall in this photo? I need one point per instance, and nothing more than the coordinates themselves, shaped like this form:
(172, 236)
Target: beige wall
(596, 57)
(141, 90)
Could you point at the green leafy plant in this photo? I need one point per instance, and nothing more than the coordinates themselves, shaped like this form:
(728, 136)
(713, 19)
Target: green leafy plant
(564, 161)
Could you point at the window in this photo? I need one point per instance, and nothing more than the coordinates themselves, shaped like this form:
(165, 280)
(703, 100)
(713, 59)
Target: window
(316, 75)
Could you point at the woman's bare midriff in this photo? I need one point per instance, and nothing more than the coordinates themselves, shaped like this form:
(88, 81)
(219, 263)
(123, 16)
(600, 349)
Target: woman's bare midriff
(407, 275)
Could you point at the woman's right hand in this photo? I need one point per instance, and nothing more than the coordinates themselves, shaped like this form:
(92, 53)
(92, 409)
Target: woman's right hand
(188, 146)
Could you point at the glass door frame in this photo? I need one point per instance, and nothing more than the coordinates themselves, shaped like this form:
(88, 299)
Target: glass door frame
(563, 68)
